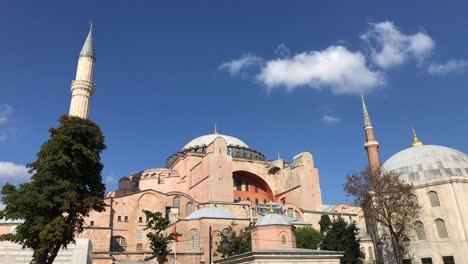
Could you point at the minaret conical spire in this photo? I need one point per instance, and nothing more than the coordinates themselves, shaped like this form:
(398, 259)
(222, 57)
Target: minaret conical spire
(367, 121)
(371, 145)
(88, 46)
(82, 87)
(416, 141)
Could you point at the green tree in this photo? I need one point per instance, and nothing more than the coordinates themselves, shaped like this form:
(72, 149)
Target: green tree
(65, 186)
(342, 236)
(237, 242)
(324, 223)
(307, 237)
(158, 240)
(388, 200)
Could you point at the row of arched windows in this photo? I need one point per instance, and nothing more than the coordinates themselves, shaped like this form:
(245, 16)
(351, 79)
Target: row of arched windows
(440, 227)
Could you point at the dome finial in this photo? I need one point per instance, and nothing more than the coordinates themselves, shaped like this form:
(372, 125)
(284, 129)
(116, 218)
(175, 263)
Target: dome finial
(271, 207)
(216, 129)
(416, 142)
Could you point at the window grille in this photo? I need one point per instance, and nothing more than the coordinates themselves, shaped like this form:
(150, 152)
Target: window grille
(434, 199)
(139, 247)
(420, 232)
(448, 260)
(119, 244)
(441, 228)
(188, 208)
(194, 240)
(176, 202)
(140, 234)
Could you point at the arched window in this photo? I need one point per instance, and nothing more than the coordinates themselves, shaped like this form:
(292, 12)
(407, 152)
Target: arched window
(246, 186)
(119, 244)
(296, 214)
(371, 253)
(248, 199)
(176, 202)
(193, 240)
(441, 228)
(434, 199)
(188, 208)
(239, 198)
(256, 201)
(264, 201)
(290, 212)
(420, 232)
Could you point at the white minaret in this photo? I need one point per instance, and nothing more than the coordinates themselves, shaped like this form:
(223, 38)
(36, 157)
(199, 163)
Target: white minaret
(83, 87)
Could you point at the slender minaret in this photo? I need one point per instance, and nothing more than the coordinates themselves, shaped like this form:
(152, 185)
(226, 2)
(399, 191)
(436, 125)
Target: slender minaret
(371, 145)
(83, 87)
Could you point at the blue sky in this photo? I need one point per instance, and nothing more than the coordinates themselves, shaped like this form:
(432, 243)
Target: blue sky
(282, 77)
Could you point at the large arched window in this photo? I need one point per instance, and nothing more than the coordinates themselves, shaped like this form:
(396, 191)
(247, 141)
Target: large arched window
(188, 208)
(176, 202)
(434, 199)
(119, 244)
(290, 212)
(441, 228)
(420, 231)
(193, 240)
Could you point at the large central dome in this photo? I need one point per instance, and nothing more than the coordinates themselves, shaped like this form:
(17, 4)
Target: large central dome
(207, 139)
(428, 162)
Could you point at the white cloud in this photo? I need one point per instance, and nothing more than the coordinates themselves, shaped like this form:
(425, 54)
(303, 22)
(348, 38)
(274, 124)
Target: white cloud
(14, 173)
(5, 111)
(237, 67)
(391, 48)
(330, 120)
(110, 179)
(337, 68)
(451, 66)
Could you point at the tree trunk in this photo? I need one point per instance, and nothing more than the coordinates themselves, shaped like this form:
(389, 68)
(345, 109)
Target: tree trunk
(53, 254)
(396, 249)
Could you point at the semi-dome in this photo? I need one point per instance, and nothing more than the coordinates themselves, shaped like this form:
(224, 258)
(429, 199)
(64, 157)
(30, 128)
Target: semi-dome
(207, 139)
(211, 212)
(428, 162)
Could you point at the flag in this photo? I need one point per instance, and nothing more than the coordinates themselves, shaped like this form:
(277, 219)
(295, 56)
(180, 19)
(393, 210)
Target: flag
(176, 238)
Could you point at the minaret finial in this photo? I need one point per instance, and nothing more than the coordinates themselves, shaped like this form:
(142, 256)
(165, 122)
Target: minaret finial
(216, 129)
(416, 142)
(271, 207)
(88, 47)
(367, 121)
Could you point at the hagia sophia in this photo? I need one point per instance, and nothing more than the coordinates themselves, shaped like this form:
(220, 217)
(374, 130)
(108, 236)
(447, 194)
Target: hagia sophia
(216, 179)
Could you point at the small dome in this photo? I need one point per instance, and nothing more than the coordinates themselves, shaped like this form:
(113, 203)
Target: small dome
(274, 219)
(211, 212)
(428, 162)
(207, 139)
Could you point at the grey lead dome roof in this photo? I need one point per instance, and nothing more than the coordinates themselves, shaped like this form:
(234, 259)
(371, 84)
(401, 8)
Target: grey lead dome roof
(207, 139)
(211, 212)
(427, 163)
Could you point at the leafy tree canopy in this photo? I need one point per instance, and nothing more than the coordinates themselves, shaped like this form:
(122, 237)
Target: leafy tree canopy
(342, 236)
(158, 240)
(389, 201)
(324, 223)
(238, 242)
(307, 237)
(65, 186)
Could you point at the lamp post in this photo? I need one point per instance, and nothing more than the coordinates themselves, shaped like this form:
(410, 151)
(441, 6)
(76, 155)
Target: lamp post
(224, 242)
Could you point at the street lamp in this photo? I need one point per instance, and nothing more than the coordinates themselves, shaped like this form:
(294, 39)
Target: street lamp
(224, 242)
